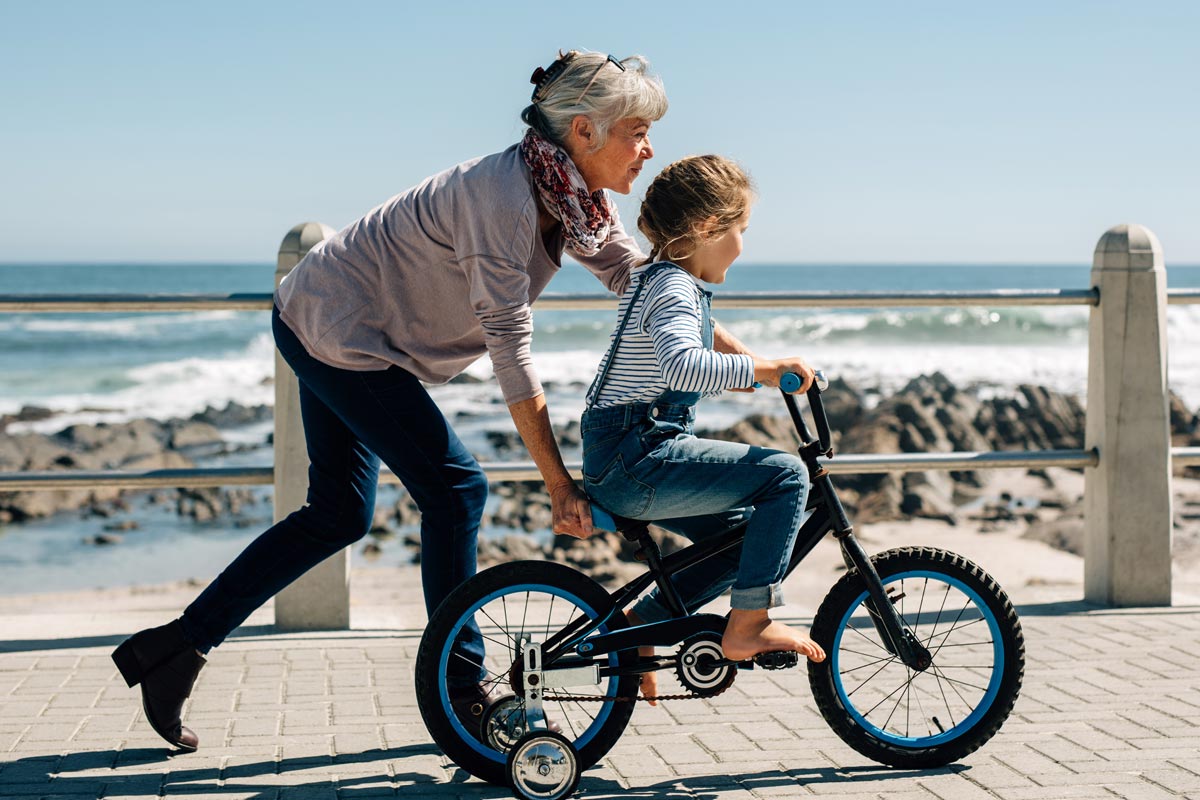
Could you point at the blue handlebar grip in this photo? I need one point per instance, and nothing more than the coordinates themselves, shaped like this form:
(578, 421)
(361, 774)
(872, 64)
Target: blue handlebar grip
(790, 382)
(602, 520)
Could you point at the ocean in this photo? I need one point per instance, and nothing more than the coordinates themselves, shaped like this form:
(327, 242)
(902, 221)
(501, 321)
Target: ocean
(117, 366)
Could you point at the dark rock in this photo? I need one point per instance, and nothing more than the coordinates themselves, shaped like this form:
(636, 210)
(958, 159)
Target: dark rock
(233, 415)
(192, 434)
(103, 539)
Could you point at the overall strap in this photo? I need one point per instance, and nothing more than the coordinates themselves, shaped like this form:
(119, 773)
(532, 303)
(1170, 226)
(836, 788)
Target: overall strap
(593, 393)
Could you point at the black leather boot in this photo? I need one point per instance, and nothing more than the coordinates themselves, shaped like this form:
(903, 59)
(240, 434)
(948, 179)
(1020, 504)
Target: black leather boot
(166, 664)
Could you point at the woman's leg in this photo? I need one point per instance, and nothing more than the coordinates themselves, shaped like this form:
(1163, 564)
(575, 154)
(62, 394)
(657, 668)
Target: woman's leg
(340, 505)
(412, 436)
(342, 476)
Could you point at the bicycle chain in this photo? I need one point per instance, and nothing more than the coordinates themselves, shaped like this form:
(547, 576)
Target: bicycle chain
(638, 698)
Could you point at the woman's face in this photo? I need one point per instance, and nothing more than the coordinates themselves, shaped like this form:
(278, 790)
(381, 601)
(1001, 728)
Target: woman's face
(617, 164)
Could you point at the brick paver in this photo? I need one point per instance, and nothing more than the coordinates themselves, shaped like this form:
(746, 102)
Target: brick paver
(1110, 709)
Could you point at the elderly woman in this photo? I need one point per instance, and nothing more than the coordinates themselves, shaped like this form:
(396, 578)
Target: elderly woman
(413, 292)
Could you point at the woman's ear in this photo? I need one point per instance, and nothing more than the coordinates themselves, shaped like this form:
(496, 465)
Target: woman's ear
(582, 132)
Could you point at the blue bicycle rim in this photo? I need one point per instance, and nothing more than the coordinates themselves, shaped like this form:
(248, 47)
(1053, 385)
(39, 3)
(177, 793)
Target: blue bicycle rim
(981, 707)
(444, 661)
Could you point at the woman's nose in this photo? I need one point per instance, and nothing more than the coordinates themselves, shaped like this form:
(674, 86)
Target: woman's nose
(647, 150)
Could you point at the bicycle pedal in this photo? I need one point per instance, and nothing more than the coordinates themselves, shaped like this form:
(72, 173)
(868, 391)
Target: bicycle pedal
(780, 659)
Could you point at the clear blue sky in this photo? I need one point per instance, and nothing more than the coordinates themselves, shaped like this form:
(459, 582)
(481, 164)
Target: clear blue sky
(876, 131)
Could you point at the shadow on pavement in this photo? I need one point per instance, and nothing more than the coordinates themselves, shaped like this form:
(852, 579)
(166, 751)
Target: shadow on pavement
(256, 633)
(154, 772)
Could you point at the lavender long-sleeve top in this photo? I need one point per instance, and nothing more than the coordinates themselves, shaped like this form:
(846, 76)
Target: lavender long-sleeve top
(438, 275)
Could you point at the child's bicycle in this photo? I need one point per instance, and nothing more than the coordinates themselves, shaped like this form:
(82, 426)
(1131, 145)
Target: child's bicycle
(925, 654)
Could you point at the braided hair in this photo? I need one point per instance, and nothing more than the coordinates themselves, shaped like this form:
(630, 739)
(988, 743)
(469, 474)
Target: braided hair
(684, 195)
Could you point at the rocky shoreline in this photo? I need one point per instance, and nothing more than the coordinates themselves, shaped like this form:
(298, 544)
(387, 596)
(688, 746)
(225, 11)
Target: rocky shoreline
(929, 414)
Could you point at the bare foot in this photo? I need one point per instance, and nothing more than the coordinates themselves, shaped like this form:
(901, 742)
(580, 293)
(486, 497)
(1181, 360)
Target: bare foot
(749, 633)
(649, 683)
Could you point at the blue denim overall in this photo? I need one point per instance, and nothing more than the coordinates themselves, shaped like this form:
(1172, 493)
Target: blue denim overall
(642, 461)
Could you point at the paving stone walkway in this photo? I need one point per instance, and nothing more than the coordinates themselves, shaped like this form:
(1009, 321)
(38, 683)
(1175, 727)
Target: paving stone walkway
(1110, 709)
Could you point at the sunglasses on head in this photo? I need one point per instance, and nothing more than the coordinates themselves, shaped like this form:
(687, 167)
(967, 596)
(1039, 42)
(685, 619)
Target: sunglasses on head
(543, 79)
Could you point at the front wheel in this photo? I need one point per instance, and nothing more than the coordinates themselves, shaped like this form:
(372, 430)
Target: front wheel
(919, 719)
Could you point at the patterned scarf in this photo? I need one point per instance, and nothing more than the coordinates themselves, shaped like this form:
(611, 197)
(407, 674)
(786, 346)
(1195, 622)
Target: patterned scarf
(585, 217)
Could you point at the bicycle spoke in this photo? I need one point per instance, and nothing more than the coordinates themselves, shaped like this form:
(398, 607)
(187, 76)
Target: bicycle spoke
(868, 680)
(503, 629)
(952, 626)
(473, 664)
(868, 638)
(524, 612)
(887, 697)
(921, 708)
(968, 644)
(864, 666)
(899, 700)
(945, 596)
(955, 681)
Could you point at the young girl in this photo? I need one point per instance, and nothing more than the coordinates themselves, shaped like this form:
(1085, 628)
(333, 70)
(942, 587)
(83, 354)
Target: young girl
(640, 458)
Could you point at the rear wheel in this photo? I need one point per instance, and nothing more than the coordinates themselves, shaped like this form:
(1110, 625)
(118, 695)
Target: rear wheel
(909, 718)
(533, 599)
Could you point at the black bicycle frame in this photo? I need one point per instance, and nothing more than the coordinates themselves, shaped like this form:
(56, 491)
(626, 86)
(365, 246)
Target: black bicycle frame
(828, 516)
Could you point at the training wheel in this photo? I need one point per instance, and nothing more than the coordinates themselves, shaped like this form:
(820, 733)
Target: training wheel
(542, 765)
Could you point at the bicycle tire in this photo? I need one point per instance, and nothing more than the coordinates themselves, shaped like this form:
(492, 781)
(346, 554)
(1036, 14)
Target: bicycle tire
(519, 580)
(975, 698)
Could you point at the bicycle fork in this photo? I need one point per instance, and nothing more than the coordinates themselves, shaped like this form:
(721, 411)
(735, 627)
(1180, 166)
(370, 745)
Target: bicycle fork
(894, 634)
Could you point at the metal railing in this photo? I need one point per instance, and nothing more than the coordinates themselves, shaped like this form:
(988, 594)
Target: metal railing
(526, 470)
(303, 237)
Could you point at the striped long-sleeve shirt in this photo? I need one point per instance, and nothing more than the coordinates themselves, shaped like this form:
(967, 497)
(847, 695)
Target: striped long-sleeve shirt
(661, 347)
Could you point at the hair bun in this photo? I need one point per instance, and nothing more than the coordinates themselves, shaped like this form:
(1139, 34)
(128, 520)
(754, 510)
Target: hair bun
(537, 76)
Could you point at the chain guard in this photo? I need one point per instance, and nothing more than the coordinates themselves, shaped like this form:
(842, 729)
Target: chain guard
(698, 669)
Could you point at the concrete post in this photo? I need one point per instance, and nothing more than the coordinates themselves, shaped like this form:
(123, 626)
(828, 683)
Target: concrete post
(1127, 497)
(319, 599)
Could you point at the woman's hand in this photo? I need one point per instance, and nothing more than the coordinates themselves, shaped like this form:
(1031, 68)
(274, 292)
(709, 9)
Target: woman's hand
(571, 511)
(769, 372)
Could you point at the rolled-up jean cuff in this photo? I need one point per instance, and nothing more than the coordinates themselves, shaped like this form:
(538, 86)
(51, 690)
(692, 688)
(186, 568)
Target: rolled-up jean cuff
(650, 610)
(757, 597)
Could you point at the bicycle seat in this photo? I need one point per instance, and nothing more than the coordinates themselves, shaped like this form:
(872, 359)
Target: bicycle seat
(604, 520)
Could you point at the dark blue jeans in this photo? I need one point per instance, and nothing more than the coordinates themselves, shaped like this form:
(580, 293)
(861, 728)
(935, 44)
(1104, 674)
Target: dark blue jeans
(352, 420)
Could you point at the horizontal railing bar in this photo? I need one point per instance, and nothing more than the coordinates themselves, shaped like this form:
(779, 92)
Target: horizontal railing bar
(1185, 456)
(47, 303)
(920, 462)
(527, 470)
(556, 302)
(1022, 297)
(574, 302)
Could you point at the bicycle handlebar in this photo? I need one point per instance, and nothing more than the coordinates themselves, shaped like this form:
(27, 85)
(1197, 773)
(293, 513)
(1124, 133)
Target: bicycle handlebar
(788, 384)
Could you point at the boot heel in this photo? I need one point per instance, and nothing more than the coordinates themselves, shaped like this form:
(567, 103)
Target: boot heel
(127, 663)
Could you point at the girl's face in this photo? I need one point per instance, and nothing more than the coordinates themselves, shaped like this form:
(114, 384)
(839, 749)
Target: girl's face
(712, 258)
(617, 164)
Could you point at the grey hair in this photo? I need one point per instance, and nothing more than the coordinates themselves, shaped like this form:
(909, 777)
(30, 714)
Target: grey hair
(612, 96)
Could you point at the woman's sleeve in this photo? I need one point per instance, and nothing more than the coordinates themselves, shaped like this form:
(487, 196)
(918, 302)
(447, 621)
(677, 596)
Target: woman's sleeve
(671, 317)
(617, 256)
(500, 300)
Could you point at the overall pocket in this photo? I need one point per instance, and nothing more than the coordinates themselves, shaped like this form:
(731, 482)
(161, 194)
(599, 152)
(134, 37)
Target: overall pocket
(618, 491)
